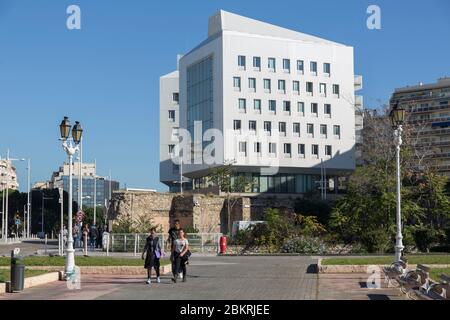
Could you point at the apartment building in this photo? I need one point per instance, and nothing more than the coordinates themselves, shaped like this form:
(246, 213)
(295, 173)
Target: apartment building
(428, 115)
(278, 103)
(8, 175)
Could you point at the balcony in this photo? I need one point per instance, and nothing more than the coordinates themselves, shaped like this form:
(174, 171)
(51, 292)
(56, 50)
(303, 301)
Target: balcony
(359, 102)
(358, 83)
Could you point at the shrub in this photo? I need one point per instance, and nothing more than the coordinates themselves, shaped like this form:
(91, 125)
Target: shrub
(304, 245)
(426, 237)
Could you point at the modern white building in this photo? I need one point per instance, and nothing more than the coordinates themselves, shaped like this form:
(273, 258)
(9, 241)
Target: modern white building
(277, 103)
(8, 175)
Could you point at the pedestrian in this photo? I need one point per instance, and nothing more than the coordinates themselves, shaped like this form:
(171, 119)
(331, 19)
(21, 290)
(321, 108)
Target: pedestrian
(181, 255)
(85, 238)
(173, 235)
(65, 234)
(99, 239)
(76, 236)
(152, 253)
(93, 236)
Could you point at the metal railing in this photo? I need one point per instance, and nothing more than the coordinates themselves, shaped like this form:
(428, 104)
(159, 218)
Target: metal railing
(135, 242)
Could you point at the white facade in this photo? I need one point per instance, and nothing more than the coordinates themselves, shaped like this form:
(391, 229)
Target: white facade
(242, 51)
(8, 175)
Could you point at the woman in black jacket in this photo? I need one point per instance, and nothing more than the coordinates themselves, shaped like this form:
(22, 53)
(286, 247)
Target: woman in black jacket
(152, 250)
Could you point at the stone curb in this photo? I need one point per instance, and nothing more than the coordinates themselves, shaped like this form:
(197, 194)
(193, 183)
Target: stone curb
(31, 282)
(117, 270)
(362, 268)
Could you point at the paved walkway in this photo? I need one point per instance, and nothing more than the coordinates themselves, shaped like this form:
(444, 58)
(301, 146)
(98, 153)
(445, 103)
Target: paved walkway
(222, 278)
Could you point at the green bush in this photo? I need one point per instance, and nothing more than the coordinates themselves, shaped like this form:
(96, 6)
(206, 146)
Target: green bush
(426, 237)
(304, 245)
(377, 241)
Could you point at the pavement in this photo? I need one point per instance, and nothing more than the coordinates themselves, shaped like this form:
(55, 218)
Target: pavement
(221, 278)
(28, 247)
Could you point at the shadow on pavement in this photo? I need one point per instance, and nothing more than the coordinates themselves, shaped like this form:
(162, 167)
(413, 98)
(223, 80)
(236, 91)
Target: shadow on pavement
(378, 297)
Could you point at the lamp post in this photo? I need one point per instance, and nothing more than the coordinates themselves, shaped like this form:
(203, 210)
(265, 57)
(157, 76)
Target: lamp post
(28, 230)
(397, 117)
(70, 147)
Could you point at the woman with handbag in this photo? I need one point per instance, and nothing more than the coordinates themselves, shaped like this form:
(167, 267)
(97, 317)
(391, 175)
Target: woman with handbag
(153, 253)
(181, 255)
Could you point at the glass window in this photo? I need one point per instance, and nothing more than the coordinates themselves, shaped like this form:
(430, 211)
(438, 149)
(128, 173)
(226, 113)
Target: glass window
(323, 88)
(237, 124)
(314, 108)
(271, 64)
(267, 126)
(176, 97)
(286, 65)
(327, 109)
(287, 148)
(326, 68)
(313, 66)
(272, 105)
(267, 85)
(301, 149)
(315, 149)
(241, 61)
(257, 62)
(336, 89)
(287, 106)
(252, 83)
(282, 127)
(257, 104)
(300, 65)
(237, 82)
(282, 85)
(310, 128)
(252, 125)
(301, 107)
(296, 86)
(323, 129)
(309, 87)
(296, 127)
(171, 148)
(242, 104)
(337, 130)
(172, 115)
(257, 147)
(272, 148)
(243, 146)
(328, 150)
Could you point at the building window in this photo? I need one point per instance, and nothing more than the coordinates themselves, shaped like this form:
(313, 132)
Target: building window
(287, 149)
(301, 107)
(301, 150)
(252, 84)
(337, 131)
(286, 106)
(328, 151)
(296, 128)
(314, 108)
(282, 85)
(327, 68)
(315, 150)
(252, 125)
(241, 62)
(286, 65)
(300, 66)
(272, 105)
(257, 104)
(313, 67)
(257, 63)
(257, 147)
(171, 149)
(176, 97)
(336, 90)
(323, 89)
(323, 130)
(237, 124)
(237, 83)
(327, 109)
(273, 148)
(271, 64)
(268, 126)
(296, 86)
(243, 147)
(309, 88)
(242, 105)
(282, 128)
(267, 85)
(310, 129)
(172, 115)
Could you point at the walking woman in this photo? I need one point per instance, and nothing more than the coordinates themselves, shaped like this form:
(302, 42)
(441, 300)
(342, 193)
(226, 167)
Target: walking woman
(181, 255)
(152, 250)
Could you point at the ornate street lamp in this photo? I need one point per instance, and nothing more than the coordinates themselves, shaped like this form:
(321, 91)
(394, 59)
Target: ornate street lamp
(397, 117)
(71, 147)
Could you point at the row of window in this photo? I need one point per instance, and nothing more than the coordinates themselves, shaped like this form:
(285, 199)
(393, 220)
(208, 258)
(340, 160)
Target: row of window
(272, 106)
(287, 149)
(286, 65)
(252, 126)
(267, 85)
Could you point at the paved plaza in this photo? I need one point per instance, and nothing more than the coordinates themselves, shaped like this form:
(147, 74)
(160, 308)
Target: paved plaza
(222, 278)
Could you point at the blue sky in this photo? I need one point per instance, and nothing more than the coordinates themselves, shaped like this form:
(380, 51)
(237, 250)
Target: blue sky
(107, 74)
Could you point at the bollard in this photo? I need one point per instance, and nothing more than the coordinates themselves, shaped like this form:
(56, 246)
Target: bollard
(135, 244)
(45, 243)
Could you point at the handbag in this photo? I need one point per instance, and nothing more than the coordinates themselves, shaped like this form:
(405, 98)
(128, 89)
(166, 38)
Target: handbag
(158, 253)
(187, 255)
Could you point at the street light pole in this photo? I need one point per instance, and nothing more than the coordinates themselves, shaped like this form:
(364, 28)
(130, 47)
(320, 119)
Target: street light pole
(95, 192)
(397, 117)
(70, 149)
(28, 200)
